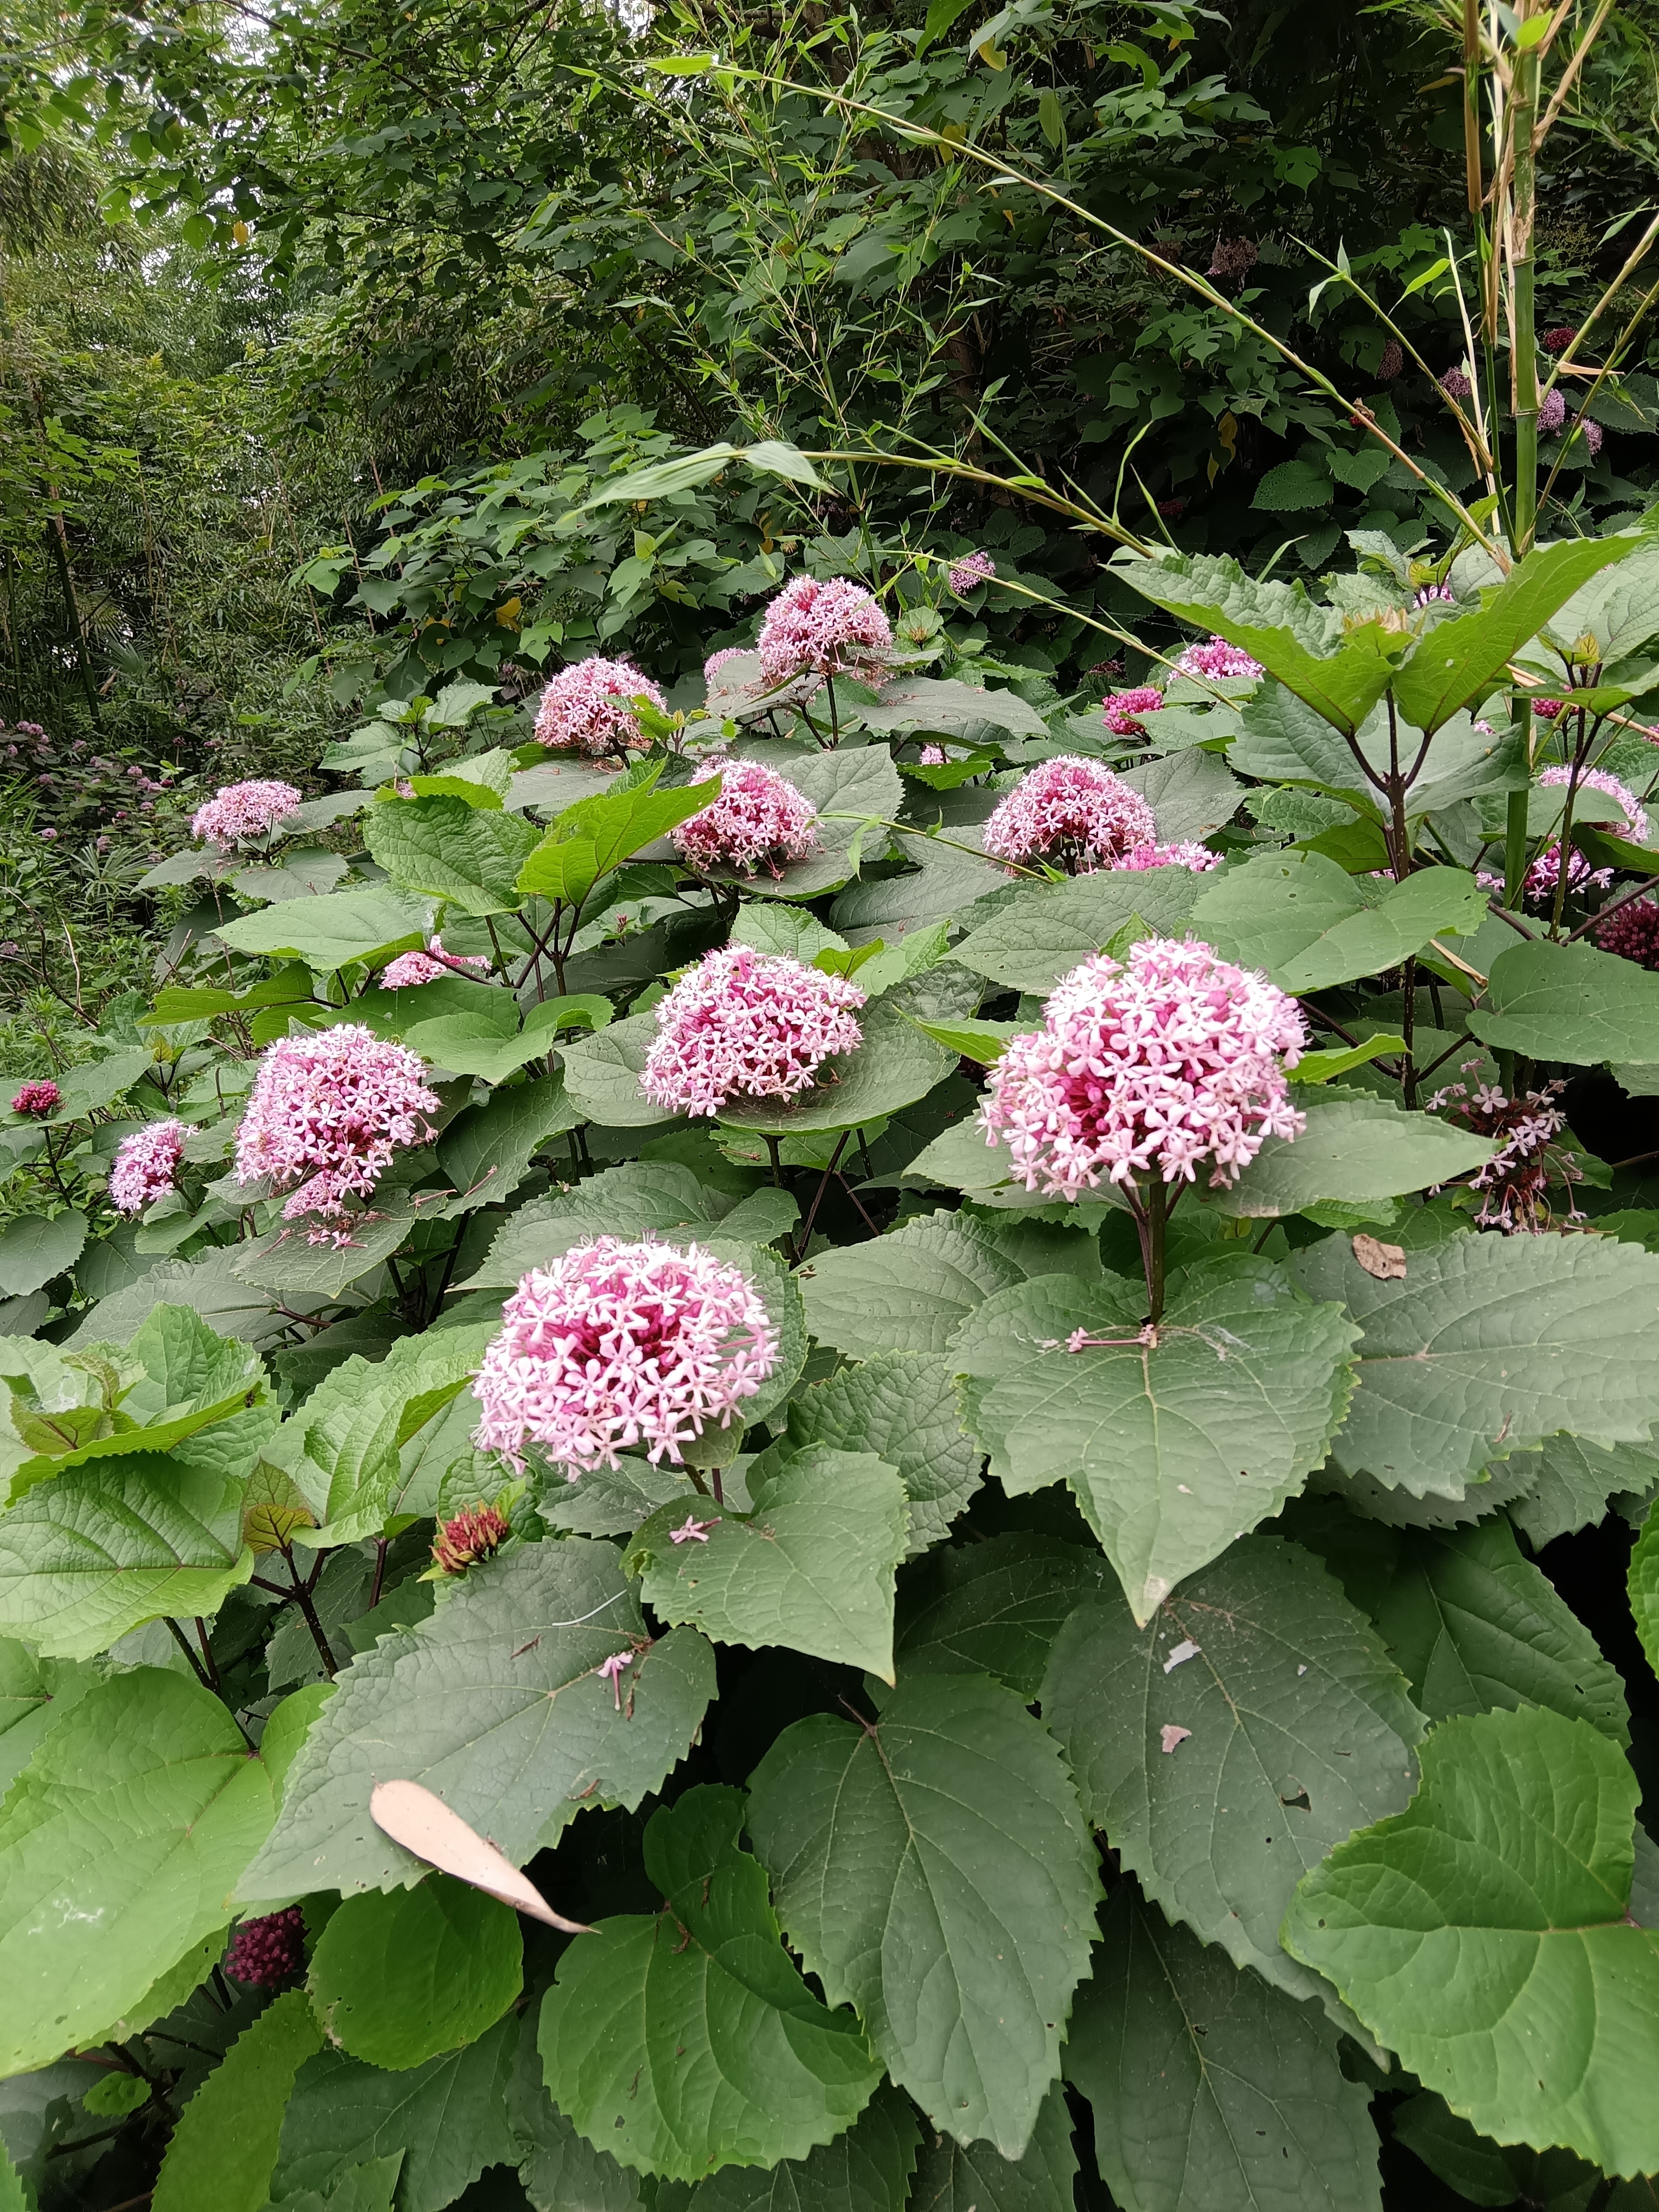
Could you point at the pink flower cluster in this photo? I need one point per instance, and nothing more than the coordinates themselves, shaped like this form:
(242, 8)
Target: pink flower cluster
(759, 819)
(427, 967)
(1552, 413)
(1216, 658)
(268, 1950)
(1121, 711)
(970, 573)
(1456, 383)
(587, 709)
(146, 1164)
(1190, 854)
(1390, 362)
(814, 628)
(1547, 710)
(241, 811)
(1073, 813)
(1175, 1059)
(39, 1100)
(747, 1024)
(1596, 779)
(327, 1112)
(716, 661)
(620, 1344)
(1514, 1182)
(1633, 932)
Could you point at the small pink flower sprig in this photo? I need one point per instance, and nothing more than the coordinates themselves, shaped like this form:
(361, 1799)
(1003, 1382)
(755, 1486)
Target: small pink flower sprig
(413, 968)
(618, 1345)
(147, 1165)
(747, 1024)
(1145, 1072)
(328, 1111)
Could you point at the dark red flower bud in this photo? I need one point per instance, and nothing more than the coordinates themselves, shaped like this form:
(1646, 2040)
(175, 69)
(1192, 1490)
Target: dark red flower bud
(37, 1099)
(473, 1534)
(267, 1951)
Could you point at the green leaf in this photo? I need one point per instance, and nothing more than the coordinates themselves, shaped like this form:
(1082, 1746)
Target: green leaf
(35, 1695)
(486, 1151)
(640, 1198)
(812, 1569)
(1356, 1147)
(334, 929)
(1481, 1934)
(116, 2095)
(1430, 903)
(1567, 1484)
(686, 2041)
(1208, 2087)
(1044, 931)
(1269, 912)
(901, 1405)
(285, 1263)
(933, 1870)
(447, 2119)
(984, 1041)
(398, 1976)
(561, 2171)
(951, 708)
(224, 2148)
(1481, 2172)
(996, 1608)
(1190, 792)
(1645, 1586)
(452, 849)
(1459, 661)
(1487, 1346)
(894, 1066)
(1284, 742)
(603, 1074)
(596, 835)
(103, 1549)
(496, 1700)
(1299, 1731)
(1174, 1449)
(33, 1248)
(953, 2176)
(907, 1291)
(359, 1418)
(865, 2170)
(119, 1842)
(1478, 1628)
(1321, 1067)
(1568, 1002)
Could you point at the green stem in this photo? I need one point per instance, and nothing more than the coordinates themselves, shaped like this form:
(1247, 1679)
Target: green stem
(1523, 357)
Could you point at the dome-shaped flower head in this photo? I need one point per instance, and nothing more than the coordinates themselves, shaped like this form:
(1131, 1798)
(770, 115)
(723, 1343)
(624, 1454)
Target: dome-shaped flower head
(1159, 1066)
(814, 628)
(1390, 361)
(723, 659)
(1456, 383)
(759, 819)
(146, 1164)
(1216, 658)
(476, 1533)
(1547, 710)
(242, 811)
(619, 1344)
(427, 967)
(1593, 433)
(1557, 339)
(970, 573)
(1552, 413)
(39, 1100)
(1596, 779)
(268, 1950)
(1633, 932)
(588, 708)
(747, 1024)
(1188, 854)
(327, 1112)
(1121, 711)
(1073, 813)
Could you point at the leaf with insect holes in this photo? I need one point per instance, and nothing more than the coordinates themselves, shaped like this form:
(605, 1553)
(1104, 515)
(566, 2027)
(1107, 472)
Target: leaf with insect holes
(496, 1701)
(685, 2039)
(1298, 1730)
(933, 1868)
(398, 1977)
(953, 2176)
(1208, 2086)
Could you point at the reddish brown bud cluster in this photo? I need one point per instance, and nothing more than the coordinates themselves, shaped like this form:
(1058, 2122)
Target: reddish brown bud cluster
(267, 1951)
(474, 1534)
(37, 1099)
(1558, 339)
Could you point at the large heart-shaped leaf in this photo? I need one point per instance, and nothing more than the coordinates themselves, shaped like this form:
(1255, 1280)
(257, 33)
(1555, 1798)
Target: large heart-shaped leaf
(469, 856)
(496, 1704)
(901, 1405)
(1356, 1147)
(1297, 1730)
(334, 929)
(603, 1075)
(1173, 1448)
(810, 1567)
(908, 1291)
(1043, 931)
(996, 1608)
(1483, 1935)
(932, 1868)
(398, 1977)
(686, 2040)
(640, 1198)
(1569, 1002)
(119, 1845)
